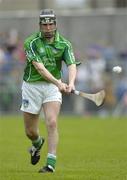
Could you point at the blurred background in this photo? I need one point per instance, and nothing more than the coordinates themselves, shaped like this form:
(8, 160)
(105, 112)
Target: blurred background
(98, 32)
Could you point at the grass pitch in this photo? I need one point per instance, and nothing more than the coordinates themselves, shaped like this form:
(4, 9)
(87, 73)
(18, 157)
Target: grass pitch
(89, 149)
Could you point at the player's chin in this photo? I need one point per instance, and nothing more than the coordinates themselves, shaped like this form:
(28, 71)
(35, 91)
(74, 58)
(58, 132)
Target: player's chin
(48, 35)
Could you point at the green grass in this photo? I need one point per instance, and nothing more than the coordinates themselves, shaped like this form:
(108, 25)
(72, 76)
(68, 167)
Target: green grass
(89, 149)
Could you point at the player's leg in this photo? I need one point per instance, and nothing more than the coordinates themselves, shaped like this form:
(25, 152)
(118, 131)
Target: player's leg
(32, 131)
(31, 125)
(31, 106)
(51, 112)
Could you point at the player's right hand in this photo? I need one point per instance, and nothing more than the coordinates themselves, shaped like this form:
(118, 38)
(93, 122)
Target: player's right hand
(63, 87)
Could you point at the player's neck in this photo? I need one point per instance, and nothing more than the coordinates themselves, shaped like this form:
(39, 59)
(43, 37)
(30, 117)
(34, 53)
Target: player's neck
(49, 40)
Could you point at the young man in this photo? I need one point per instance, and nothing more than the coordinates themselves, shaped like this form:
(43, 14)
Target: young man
(42, 85)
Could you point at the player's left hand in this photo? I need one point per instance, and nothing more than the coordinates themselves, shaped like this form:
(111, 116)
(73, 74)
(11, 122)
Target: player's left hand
(70, 88)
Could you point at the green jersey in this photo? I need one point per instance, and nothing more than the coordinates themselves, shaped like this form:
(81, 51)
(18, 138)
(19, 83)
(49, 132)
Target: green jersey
(51, 55)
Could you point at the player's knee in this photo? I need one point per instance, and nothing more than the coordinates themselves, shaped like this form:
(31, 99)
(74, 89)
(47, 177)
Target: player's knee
(52, 124)
(31, 134)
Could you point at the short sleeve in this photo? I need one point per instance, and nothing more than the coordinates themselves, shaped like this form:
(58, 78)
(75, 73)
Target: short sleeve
(30, 51)
(68, 55)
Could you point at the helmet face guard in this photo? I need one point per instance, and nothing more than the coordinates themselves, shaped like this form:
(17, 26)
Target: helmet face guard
(47, 16)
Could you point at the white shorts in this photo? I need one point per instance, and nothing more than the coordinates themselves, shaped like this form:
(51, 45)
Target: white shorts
(37, 93)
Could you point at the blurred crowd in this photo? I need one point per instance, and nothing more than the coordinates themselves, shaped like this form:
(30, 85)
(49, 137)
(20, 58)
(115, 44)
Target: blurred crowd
(11, 50)
(12, 59)
(95, 73)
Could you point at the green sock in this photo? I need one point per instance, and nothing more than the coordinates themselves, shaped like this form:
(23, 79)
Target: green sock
(38, 142)
(51, 160)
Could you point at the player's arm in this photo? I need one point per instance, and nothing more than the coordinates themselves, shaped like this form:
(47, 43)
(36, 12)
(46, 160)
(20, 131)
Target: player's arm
(71, 77)
(48, 76)
(69, 59)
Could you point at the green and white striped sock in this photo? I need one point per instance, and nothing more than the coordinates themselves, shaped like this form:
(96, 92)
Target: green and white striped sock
(51, 160)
